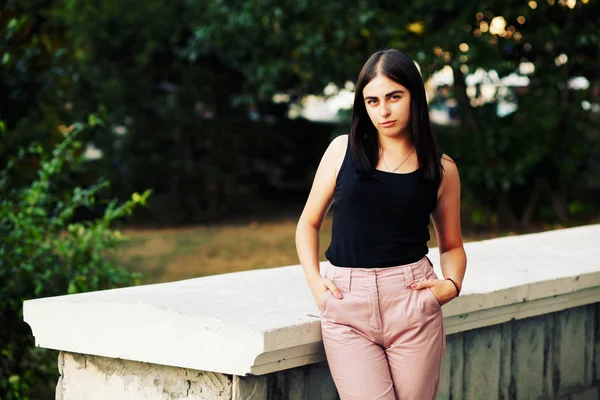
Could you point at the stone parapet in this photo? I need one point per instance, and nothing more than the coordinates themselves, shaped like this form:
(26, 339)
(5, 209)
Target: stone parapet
(265, 321)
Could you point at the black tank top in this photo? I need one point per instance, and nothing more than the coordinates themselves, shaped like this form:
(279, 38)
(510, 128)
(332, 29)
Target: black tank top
(380, 221)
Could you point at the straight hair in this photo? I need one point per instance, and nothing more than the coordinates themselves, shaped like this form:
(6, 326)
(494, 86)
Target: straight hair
(364, 139)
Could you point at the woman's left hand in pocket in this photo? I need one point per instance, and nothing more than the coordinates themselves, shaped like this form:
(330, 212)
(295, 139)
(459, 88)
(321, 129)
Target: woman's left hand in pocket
(442, 289)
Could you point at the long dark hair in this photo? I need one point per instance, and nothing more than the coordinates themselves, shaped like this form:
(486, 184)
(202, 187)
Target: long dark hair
(364, 140)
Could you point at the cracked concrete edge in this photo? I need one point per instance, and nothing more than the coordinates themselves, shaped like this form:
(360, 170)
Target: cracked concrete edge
(119, 379)
(59, 385)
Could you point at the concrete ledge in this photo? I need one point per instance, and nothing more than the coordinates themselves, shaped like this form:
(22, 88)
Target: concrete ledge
(256, 322)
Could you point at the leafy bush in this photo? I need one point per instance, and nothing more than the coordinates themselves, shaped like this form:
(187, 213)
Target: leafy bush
(45, 252)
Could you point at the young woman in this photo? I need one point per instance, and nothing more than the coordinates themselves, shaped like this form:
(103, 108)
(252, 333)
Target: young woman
(380, 299)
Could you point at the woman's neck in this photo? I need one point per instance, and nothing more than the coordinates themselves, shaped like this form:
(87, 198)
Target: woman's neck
(399, 144)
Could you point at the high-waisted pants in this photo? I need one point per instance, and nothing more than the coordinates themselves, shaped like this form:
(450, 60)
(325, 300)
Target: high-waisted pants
(383, 340)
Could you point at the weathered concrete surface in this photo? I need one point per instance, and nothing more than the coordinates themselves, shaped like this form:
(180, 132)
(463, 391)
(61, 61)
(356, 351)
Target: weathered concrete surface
(85, 377)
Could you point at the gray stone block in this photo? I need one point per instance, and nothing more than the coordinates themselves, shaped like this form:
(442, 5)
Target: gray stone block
(571, 358)
(296, 383)
(482, 363)
(527, 366)
(319, 383)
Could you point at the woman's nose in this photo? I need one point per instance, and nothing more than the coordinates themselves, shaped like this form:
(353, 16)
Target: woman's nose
(384, 109)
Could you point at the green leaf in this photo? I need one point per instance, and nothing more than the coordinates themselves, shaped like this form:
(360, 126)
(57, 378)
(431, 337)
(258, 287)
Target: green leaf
(93, 120)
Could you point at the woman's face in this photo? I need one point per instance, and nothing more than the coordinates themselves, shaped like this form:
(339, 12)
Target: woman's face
(388, 105)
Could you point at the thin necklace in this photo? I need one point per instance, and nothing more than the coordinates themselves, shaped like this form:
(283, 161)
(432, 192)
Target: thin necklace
(394, 170)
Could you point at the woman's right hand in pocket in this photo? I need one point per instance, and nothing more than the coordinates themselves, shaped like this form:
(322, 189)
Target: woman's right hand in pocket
(320, 286)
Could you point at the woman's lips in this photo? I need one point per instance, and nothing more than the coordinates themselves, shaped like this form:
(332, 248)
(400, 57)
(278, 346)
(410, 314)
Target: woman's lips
(388, 124)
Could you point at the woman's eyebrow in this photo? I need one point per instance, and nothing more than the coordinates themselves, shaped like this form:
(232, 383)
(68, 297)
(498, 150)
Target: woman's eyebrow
(387, 95)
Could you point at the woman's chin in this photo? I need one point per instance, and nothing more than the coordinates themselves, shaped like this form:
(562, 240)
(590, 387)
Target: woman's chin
(393, 132)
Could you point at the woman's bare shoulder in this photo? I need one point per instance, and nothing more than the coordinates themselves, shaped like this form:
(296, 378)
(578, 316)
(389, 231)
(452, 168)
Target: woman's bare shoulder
(340, 143)
(450, 176)
(448, 164)
(337, 149)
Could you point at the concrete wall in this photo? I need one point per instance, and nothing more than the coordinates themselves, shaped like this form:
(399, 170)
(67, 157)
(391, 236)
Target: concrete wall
(524, 327)
(552, 356)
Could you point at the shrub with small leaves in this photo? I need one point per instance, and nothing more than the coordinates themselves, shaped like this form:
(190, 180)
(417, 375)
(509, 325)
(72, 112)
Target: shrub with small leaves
(45, 252)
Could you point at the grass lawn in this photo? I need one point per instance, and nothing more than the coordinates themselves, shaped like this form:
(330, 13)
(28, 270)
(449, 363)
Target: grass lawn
(163, 255)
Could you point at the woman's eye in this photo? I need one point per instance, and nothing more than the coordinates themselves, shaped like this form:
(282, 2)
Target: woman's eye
(395, 97)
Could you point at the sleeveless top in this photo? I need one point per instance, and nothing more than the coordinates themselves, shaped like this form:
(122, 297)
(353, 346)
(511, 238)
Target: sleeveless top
(380, 221)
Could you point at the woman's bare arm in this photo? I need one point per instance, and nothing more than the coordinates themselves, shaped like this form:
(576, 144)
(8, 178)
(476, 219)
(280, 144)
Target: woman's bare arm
(319, 201)
(446, 220)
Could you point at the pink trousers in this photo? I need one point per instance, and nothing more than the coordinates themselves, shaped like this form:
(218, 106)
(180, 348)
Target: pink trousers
(383, 340)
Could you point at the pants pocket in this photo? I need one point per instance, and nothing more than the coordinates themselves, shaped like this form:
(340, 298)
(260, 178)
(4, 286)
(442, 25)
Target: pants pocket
(433, 298)
(324, 298)
(429, 274)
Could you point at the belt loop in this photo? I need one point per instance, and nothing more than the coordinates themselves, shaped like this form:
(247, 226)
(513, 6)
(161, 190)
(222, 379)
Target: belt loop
(349, 281)
(408, 275)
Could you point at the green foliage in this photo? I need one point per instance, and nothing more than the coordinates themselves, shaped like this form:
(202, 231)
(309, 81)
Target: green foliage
(156, 133)
(46, 252)
(538, 157)
(542, 150)
(173, 124)
(295, 47)
(37, 75)
(176, 81)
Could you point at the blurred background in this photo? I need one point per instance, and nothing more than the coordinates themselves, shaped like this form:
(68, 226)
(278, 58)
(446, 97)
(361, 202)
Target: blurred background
(145, 142)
